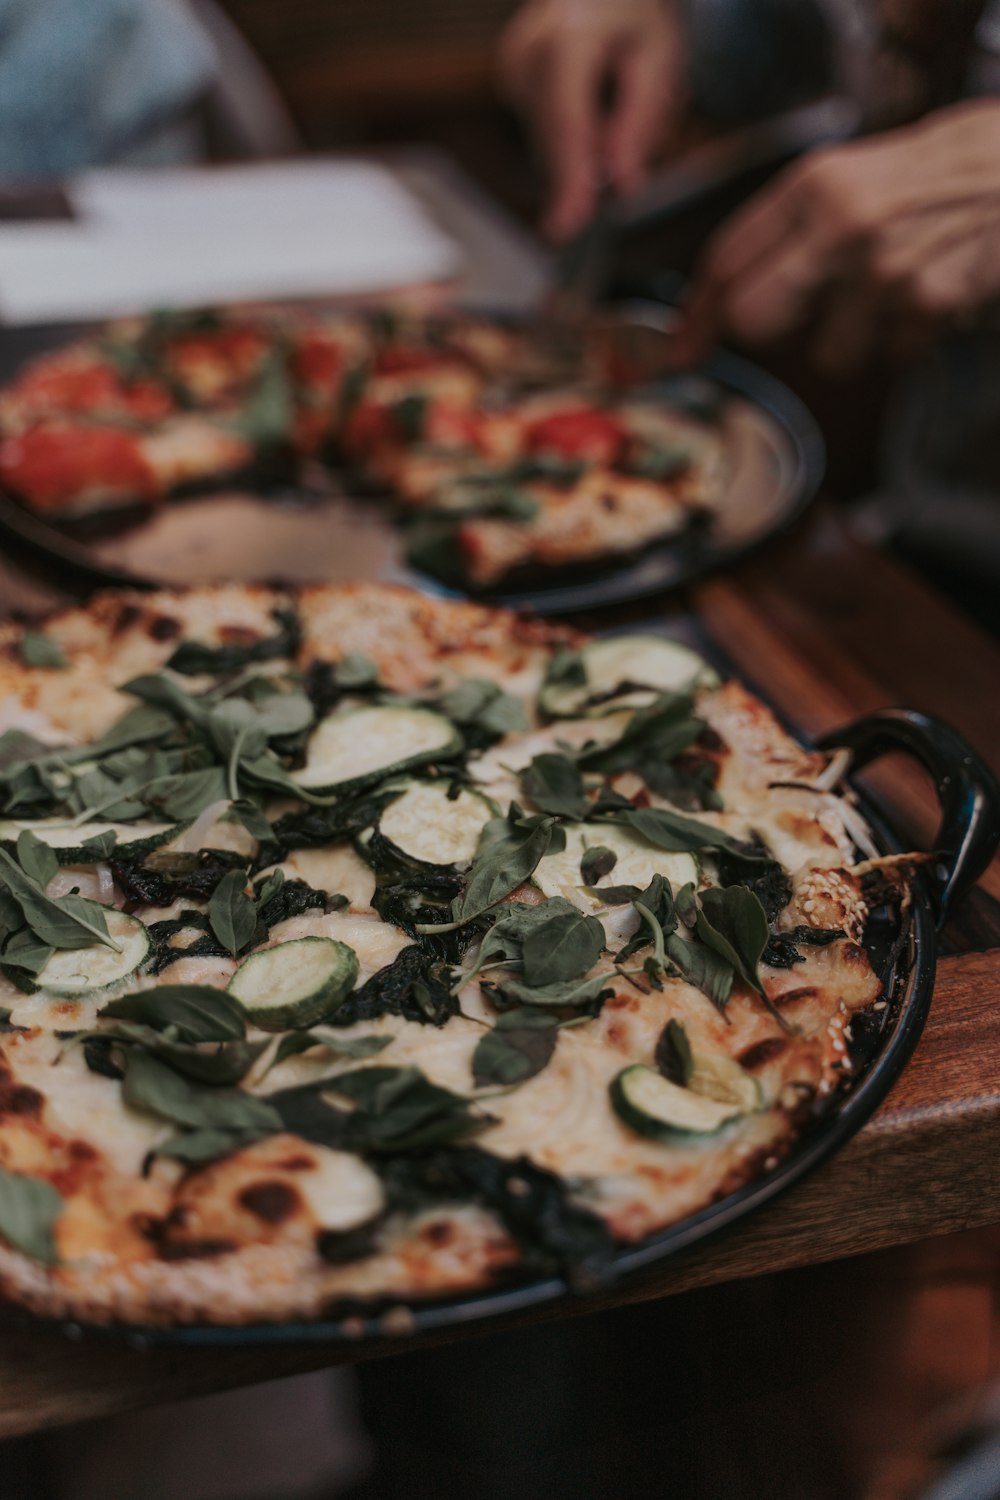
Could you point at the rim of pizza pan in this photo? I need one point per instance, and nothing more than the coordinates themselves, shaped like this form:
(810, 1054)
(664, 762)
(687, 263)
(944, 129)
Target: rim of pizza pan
(71, 564)
(396, 1324)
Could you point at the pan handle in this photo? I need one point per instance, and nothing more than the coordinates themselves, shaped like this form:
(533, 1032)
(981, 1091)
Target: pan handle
(969, 830)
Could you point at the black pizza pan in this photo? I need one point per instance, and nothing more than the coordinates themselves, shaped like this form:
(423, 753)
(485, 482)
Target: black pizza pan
(903, 952)
(299, 533)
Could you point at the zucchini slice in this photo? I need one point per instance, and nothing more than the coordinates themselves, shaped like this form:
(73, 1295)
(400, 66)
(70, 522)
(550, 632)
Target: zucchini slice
(82, 971)
(626, 671)
(718, 1076)
(655, 1107)
(427, 825)
(638, 861)
(294, 984)
(364, 745)
(67, 838)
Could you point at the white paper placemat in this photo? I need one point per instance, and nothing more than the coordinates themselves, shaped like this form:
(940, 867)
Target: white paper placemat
(184, 238)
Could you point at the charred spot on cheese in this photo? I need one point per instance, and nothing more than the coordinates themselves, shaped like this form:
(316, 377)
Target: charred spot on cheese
(19, 1098)
(764, 1051)
(272, 1201)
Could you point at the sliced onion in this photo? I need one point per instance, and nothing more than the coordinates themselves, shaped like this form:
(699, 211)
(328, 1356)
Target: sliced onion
(193, 838)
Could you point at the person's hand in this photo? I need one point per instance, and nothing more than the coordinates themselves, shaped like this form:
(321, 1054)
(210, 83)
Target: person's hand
(872, 246)
(558, 61)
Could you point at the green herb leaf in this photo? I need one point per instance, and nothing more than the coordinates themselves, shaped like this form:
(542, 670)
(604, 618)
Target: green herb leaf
(197, 1012)
(673, 1053)
(153, 1087)
(196, 1148)
(562, 948)
(231, 913)
(100, 845)
(477, 704)
(573, 993)
(269, 416)
(597, 861)
(673, 831)
(509, 851)
(37, 859)
(25, 951)
(29, 1209)
(519, 1046)
(732, 922)
(71, 922)
(227, 1063)
(554, 784)
(398, 1109)
(39, 650)
(356, 1047)
(354, 671)
(652, 737)
(706, 969)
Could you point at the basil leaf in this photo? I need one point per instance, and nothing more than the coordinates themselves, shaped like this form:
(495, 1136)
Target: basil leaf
(196, 1148)
(562, 948)
(477, 704)
(567, 992)
(658, 461)
(29, 1209)
(16, 748)
(268, 417)
(153, 1087)
(597, 861)
(657, 733)
(409, 415)
(732, 922)
(69, 923)
(198, 1012)
(100, 845)
(519, 1046)
(357, 1047)
(227, 1063)
(25, 951)
(674, 831)
(253, 820)
(398, 1109)
(706, 969)
(231, 913)
(37, 859)
(554, 784)
(673, 1054)
(183, 796)
(509, 851)
(39, 650)
(655, 906)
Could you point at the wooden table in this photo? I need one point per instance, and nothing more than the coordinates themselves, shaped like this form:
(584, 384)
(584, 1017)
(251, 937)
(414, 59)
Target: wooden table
(831, 628)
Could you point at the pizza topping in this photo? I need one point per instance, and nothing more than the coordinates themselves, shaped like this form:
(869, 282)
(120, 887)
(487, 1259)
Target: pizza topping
(51, 464)
(621, 671)
(294, 984)
(82, 971)
(653, 1106)
(40, 650)
(29, 1209)
(577, 432)
(436, 823)
(350, 750)
(518, 1047)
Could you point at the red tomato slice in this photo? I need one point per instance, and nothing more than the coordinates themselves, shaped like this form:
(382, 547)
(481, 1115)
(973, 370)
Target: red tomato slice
(93, 388)
(317, 361)
(412, 359)
(51, 466)
(368, 426)
(577, 432)
(452, 426)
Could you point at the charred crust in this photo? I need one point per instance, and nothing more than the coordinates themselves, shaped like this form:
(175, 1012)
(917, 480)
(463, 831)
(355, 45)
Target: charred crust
(124, 617)
(759, 1053)
(438, 1233)
(194, 1249)
(19, 1098)
(272, 1201)
(164, 628)
(853, 954)
(792, 997)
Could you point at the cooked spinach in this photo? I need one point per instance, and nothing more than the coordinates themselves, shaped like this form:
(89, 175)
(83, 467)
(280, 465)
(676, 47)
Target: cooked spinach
(193, 659)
